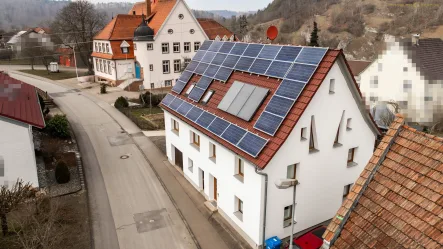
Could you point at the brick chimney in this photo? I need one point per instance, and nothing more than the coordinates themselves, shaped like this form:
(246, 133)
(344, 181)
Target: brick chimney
(148, 8)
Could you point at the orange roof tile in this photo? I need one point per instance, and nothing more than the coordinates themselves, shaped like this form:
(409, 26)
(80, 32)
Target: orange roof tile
(397, 202)
(122, 27)
(160, 11)
(212, 28)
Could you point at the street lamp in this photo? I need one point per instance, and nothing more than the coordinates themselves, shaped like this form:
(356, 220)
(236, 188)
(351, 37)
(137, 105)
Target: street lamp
(285, 184)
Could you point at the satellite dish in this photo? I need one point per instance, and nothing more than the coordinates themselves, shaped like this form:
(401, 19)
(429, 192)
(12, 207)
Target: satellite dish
(272, 33)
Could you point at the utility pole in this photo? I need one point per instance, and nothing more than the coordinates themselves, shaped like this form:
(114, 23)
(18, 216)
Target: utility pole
(75, 61)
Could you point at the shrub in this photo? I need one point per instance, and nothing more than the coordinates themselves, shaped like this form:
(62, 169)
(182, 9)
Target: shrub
(155, 98)
(121, 102)
(62, 174)
(58, 126)
(103, 88)
(367, 9)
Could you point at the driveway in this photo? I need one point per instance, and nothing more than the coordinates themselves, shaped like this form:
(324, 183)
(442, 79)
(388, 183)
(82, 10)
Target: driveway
(129, 207)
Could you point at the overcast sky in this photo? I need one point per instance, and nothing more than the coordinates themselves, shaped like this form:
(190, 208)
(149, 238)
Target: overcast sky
(236, 5)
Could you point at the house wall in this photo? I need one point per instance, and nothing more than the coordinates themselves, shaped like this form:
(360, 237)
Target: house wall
(102, 73)
(180, 34)
(391, 79)
(17, 150)
(322, 175)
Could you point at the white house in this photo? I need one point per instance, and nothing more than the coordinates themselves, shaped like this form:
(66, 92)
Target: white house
(159, 46)
(410, 73)
(19, 111)
(261, 113)
(34, 36)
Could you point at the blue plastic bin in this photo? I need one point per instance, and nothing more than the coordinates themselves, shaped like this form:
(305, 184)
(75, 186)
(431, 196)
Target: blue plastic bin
(273, 243)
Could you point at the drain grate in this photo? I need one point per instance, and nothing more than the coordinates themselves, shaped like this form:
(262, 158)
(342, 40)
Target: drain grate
(124, 157)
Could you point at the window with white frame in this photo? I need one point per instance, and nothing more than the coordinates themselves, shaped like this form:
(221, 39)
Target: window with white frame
(165, 48)
(105, 66)
(151, 67)
(187, 47)
(346, 191)
(175, 125)
(150, 46)
(195, 139)
(239, 169)
(332, 86)
(97, 66)
(291, 171)
(109, 67)
(187, 61)
(101, 66)
(177, 66)
(196, 46)
(349, 124)
(166, 67)
(304, 132)
(207, 97)
(287, 216)
(238, 207)
(107, 48)
(96, 47)
(380, 67)
(351, 155)
(212, 151)
(176, 47)
(168, 82)
(190, 165)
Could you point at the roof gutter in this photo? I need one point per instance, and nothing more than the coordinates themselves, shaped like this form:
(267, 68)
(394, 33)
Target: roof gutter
(265, 204)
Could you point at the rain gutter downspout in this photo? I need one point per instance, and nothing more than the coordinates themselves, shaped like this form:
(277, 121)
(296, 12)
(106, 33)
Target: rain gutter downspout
(265, 204)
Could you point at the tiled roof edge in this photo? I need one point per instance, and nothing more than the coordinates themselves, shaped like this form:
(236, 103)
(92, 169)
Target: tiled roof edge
(338, 222)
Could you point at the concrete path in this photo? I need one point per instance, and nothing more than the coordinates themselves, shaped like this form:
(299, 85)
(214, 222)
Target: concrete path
(154, 133)
(139, 200)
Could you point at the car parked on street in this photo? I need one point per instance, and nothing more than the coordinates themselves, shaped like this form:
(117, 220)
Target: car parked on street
(310, 240)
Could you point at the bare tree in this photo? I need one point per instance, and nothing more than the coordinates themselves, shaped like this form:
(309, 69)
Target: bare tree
(388, 115)
(11, 198)
(77, 24)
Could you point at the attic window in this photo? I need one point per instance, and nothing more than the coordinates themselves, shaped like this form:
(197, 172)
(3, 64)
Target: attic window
(312, 137)
(332, 86)
(170, 31)
(303, 133)
(150, 46)
(133, 12)
(181, 16)
(348, 124)
(192, 31)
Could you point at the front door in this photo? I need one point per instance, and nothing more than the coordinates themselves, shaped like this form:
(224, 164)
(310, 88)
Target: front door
(215, 188)
(179, 158)
(137, 70)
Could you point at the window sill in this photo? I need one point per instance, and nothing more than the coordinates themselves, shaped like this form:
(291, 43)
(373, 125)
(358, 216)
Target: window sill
(336, 145)
(352, 164)
(239, 177)
(349, 129)
(239, 215)
(213, 159)
(176, 132)
(331, 92)
(303, 139)
(195, 146)
(312, 151)
(166, 72)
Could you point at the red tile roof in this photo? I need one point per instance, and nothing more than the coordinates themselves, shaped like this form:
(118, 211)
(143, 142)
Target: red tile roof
(160, 11)
(397, 202)
(19, 101)
(120, 28)
(213, 29)
(272, 84)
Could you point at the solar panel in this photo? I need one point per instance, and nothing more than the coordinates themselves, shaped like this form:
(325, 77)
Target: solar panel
(230, 61)
(201, 68)
(279, 105)
(244, 63)
(269, 52)
(204, 82)
(290, 89)
(209, 56)
(218, 126)
(184, 108)
(211, 71)
(239, 48)
(186, 76)
(199, 55)
(196, 94)
(178, 87)
(223, 74)
(205, 45)
(288, 53)
(215, 46)
(278, 69)
(194, 113)
(175, 103)
(233, 134)
(226, 47)
(219, 58)
(205, 119)
(167, 99)
(301, 72)
(268, 123)
(311, 55)
(252, 144)
(260, 66)
(192, 66)
(253, 50)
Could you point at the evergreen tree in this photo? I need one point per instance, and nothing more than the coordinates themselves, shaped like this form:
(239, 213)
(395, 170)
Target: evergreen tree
(234, 25)
(314, 36)
(243, 23)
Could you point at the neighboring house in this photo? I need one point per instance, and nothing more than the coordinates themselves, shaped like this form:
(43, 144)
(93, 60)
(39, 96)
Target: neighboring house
(260, 117)
(409, 72)
(216, 31)
(66, 58)
(19, 112)
(30, 37)
(159, 46)
(357, 67)
(397, 201)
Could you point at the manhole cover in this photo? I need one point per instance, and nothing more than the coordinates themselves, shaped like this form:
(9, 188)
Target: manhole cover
(152, 220)
(124, 157)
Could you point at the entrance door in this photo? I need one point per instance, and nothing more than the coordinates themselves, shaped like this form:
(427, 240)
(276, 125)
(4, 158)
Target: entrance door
(215, 188)
(179, 158)
(137, 70)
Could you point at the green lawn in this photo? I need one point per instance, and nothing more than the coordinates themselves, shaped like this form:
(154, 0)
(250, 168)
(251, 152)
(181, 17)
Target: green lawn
(53, 76)
(146, 111)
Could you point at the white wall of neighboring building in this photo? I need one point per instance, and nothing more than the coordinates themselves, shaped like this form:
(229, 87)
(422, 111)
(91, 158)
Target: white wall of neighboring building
(104, 72)
(181, 33)
(389, 68)
(322, 174)
(125, 69)
(17, 151)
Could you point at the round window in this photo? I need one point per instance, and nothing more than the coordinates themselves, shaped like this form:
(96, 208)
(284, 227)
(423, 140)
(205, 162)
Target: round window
(192, 31)
(170, 31)
(181, 16)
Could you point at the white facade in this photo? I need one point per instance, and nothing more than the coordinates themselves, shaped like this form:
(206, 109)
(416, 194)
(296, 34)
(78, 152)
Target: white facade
(393, 77)
(322, 174)
(114, 70)
(156, 58)
(17, 153)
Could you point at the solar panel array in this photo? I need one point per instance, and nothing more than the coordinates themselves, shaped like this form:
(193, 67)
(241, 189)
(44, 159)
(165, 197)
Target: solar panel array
(244, 140)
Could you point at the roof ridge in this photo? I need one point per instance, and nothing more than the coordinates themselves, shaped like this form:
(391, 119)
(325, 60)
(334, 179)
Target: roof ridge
(338, 222)
(430, 136)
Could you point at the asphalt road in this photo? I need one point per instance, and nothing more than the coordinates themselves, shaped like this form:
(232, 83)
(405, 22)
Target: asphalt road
(129, 207)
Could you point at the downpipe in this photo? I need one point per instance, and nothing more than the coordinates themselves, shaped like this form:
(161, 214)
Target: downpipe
(265, 204)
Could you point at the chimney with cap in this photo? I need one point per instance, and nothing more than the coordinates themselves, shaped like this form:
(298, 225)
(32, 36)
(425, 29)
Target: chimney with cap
(148, 8)
(415, 39)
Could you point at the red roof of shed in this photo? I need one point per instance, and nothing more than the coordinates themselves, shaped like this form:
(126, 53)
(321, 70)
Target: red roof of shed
(19, 101)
